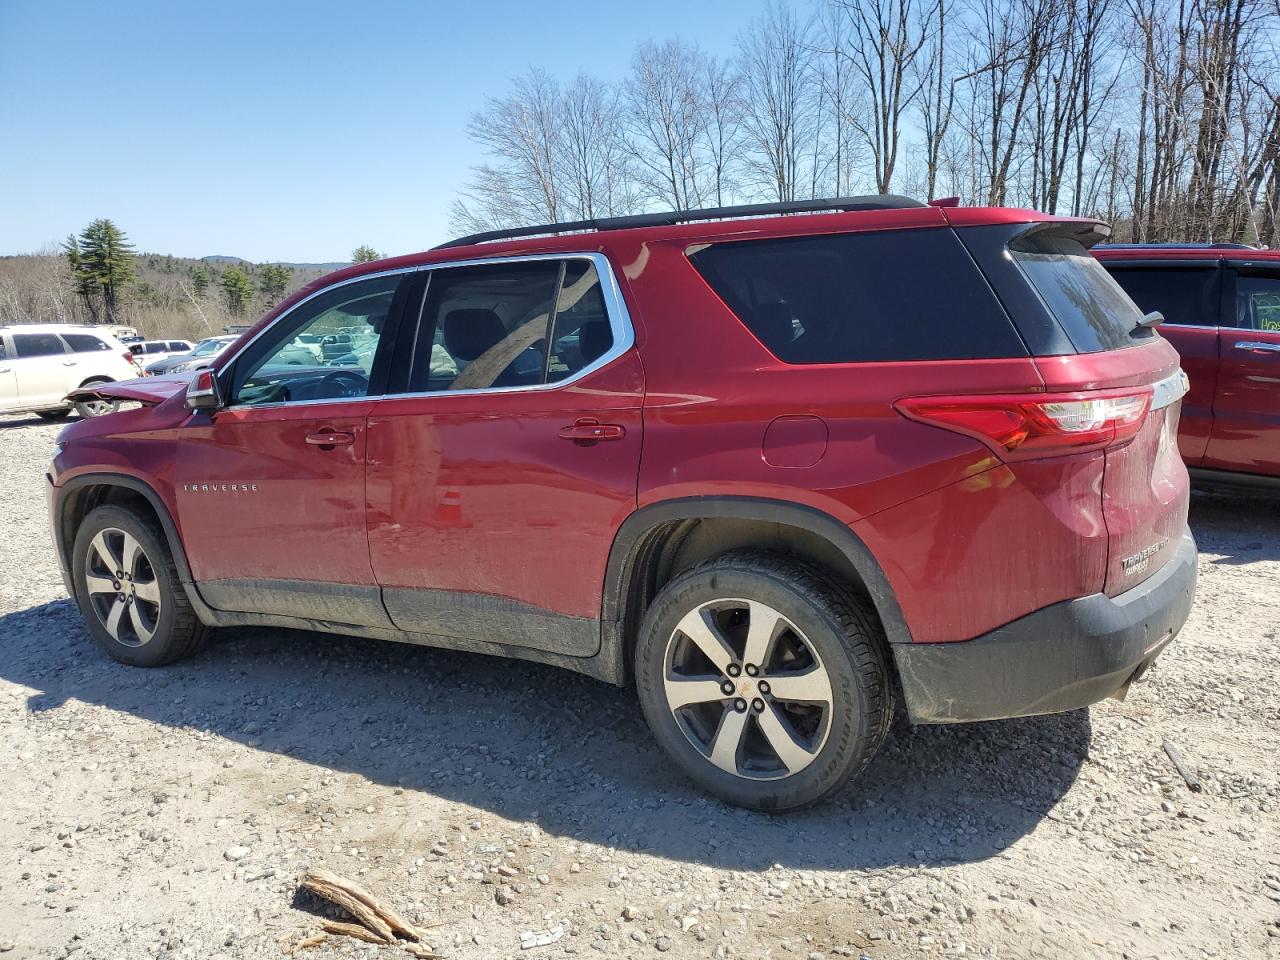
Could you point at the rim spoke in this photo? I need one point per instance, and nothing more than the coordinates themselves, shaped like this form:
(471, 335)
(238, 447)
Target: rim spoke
(793, 754)
(698, 627)
(112, 623)
(149, 591)
(728, 739)
(97, 584)
(144, 632)
(806, 686)
(131, 552)
(105, 554)
(763, 626)
(682, 691)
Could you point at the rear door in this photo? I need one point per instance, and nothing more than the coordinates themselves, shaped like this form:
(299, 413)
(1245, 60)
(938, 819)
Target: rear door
(1189, 296)
(1246, 428)
(42, 367)
(8, 380)
(497, 480)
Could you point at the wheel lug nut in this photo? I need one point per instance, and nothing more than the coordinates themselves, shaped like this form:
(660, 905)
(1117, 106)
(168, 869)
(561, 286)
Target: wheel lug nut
(734, 670)
(726, 688)
(740, 705)
(752, 670)
(763, 686)
(757, 705)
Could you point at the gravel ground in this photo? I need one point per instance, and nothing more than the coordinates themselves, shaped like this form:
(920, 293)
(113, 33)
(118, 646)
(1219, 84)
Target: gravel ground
(168, 813)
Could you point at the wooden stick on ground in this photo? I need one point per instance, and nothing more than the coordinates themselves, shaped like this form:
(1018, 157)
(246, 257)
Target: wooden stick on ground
(360, 903)
(1193, 782)
(351, 930)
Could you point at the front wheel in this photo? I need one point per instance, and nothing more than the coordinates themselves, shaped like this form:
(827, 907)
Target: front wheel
(128, 590)
(764, 680)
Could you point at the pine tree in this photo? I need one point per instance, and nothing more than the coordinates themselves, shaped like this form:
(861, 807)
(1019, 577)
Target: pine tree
(200, 281)
(274, 282)
(101, 260)
(365, 253)
(237, 291)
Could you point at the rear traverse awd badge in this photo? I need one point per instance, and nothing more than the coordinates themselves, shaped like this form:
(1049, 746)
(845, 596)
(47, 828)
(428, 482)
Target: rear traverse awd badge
(1142, 559)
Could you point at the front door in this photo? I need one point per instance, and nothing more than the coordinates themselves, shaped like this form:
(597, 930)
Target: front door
(43, 368)
(497, 481)
(8, 379)
(1246, 408)
(270, 489)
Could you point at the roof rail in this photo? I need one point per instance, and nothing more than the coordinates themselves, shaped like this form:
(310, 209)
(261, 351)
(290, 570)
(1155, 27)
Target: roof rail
(1174, 245)
(881, 201)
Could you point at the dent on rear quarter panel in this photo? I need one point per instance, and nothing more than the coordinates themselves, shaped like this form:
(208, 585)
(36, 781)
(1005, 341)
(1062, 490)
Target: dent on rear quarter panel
(982, 552)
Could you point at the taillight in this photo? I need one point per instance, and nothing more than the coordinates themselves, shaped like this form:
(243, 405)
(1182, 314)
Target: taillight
(1019, 426)
(128, 356)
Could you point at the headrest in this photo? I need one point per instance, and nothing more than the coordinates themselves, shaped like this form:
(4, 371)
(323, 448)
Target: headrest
(773, 324)
(595, 337)
(470, 331)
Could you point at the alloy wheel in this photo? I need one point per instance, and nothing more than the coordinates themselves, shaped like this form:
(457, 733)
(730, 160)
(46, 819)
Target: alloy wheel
(97, 408)
(747, 689)
(122, 586)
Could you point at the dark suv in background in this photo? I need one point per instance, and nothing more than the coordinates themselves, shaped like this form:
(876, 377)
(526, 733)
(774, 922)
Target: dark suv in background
(777, 472)
(1221, 307)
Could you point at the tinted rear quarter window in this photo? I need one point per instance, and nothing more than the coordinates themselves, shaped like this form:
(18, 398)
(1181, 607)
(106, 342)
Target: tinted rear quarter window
(1187, 296)
(1094, 311)
(846, 298)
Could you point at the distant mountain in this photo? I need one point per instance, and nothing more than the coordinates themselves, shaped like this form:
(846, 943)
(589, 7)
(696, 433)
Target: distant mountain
(333, 265)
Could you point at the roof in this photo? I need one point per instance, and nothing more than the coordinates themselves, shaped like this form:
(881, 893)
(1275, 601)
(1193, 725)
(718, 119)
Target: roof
(1236, 252)
(57, 328)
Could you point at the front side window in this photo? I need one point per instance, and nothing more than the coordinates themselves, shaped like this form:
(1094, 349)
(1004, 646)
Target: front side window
(1186, 296)
(485, 326)
(37, 344)
(348, 321)
(1258, 303)
(84, 342)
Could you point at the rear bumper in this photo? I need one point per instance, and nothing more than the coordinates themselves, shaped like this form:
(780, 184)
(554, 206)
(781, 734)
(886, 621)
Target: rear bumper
(1063, 657)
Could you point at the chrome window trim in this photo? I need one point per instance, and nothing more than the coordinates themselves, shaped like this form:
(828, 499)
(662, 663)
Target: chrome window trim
(614, 304)
(1188, 326)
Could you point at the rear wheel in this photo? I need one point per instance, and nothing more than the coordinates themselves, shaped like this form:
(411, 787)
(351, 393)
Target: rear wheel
(764, 680)
(96, 407)
(128, 589)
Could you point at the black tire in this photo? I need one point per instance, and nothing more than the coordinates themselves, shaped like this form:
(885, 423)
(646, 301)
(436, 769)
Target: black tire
(178, 633)
(53, 414)
(836, 624)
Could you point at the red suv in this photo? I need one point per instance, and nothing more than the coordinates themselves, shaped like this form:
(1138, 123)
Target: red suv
(778, 472)
(1221, 308)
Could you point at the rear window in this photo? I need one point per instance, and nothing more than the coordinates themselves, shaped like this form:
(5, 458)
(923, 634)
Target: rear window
(846, 298)
(1186, 296)
(1094, 311)
(84, 342)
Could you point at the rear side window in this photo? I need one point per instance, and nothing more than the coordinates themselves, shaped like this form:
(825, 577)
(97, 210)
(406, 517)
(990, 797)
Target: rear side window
(37, 344)
(1186, 296)
(582, 334)
(1094, 311)
(845, 298)
(84, 342)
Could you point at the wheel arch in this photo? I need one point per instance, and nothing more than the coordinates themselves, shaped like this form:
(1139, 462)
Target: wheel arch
(80, 494)
(658, 541)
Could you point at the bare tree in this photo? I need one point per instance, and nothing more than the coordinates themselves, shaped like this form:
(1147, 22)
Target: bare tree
(666, 120)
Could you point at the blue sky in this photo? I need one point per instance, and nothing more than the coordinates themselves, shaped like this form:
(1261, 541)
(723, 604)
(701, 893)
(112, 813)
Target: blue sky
(280, 130)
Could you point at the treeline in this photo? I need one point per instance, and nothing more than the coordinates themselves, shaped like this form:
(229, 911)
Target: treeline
(1160, 116)
(97, 277)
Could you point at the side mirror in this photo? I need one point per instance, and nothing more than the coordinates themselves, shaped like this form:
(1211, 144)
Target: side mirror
(202, 391)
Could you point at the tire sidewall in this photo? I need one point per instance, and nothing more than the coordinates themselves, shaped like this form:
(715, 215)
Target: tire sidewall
(839, 756)
(157, 650)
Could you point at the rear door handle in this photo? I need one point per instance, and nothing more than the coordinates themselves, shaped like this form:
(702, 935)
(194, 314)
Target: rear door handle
(69, 363)
(1257, 346)
(330, 439)
(588, 430)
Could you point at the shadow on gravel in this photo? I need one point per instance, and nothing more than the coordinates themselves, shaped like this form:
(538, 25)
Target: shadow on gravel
(572, 755)
(1243, 529)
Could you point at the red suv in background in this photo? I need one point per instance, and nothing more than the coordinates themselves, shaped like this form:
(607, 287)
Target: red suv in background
(1221, 307)
(776, 471)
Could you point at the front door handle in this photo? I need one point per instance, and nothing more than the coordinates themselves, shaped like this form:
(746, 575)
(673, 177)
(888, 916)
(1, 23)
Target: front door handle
(69, 363)
(588, 430)
(1258, 346)
(328, 439)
